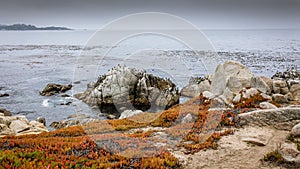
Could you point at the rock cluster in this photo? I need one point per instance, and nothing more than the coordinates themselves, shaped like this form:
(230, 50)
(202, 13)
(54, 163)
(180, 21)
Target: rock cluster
(231, 81)
(19, 125)
(290, 75)
(127, 87)
(52, 89)
(76, 119)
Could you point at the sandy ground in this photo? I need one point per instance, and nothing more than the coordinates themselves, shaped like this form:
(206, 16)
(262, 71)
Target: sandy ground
(234, 153)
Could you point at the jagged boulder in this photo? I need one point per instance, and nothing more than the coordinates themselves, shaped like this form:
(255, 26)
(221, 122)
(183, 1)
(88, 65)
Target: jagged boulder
(127, 87)
(235, 73)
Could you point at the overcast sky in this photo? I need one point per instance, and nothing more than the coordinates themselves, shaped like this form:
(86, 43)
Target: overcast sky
(206, 14)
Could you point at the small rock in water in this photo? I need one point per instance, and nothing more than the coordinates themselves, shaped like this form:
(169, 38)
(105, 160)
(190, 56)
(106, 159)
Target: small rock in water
(4, 94)
(66, 103)
(5, 112)
(76, 82)
(52, 89)
(65, 95)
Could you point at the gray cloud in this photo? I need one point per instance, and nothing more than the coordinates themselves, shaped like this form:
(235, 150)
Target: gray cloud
(204, 13)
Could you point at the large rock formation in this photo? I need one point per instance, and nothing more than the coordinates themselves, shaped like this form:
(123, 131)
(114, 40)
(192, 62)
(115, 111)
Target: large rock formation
(127, 87)
(232, 81)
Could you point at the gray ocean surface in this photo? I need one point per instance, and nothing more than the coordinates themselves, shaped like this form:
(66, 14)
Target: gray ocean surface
(29, 60)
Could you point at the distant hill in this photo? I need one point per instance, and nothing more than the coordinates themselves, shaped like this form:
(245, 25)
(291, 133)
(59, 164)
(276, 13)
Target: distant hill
(24, 27)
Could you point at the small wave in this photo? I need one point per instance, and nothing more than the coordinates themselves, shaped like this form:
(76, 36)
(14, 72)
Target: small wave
(45, 103)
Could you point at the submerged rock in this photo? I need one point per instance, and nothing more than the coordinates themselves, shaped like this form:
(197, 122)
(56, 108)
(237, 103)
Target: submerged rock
(127, 87)
(52, 89)
(5, 112)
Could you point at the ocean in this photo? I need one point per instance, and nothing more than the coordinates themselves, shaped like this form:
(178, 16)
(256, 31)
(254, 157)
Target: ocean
(29, 60)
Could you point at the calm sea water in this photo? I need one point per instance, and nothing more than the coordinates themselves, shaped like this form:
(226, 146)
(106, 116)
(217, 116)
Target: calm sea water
(31, 59)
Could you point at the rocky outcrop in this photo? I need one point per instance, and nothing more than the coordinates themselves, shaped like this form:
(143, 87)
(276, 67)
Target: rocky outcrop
(233, 81)
(127, 87)
(52, 89)
(76, 119)
(19, 125)
(280, 118)
(290, 76)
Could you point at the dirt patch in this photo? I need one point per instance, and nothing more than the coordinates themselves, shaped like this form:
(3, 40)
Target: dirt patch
(233, 152)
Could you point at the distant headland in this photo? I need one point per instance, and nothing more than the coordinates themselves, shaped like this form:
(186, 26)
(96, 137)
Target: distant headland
(25, 27)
